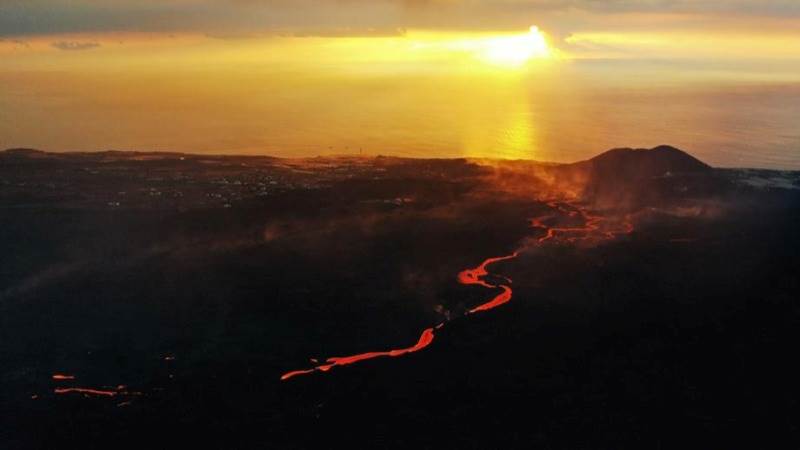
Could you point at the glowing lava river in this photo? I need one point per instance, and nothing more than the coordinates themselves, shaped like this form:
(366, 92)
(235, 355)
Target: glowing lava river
(591, 227)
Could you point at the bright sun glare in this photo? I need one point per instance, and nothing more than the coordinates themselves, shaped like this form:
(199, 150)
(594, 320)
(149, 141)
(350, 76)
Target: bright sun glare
(518, 49)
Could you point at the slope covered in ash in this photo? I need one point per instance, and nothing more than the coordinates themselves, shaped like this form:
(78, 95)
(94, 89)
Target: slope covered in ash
(626, 178)
(658, 161)
(159, 299)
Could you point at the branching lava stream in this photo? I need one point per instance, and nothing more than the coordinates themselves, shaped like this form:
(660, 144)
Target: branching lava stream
(591, 228)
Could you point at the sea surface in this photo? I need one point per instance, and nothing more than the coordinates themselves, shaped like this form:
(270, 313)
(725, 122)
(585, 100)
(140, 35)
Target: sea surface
(562, 111)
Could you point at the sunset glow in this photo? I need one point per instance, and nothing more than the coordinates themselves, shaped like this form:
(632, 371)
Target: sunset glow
(516, 50)
(519, 91)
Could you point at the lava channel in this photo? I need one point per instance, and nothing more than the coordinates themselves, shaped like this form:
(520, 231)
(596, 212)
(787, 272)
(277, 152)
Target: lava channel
(424, 340)
(591, 228)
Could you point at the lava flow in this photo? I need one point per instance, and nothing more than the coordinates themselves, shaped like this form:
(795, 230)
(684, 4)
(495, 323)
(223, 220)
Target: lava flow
(469, 276)
(476, 276)
(590, 229)
(86, 391)
(424, 340)
(62, 377)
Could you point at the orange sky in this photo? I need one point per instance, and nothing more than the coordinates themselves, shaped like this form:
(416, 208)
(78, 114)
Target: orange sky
(415, 77)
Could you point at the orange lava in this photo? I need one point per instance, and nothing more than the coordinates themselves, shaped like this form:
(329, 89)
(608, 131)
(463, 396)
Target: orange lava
(61, 377)
(86, 391)
(295, 373)
(500, 299)
(424, 340)
(474, 276)
(593, 227)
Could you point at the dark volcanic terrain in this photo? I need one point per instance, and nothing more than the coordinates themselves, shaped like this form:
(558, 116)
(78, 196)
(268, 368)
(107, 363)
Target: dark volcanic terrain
(152, 300)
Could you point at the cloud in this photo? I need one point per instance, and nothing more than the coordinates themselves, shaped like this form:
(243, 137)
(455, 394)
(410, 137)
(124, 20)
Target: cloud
(16, 42)
(352, 32)
(74, 45)
(230, 17)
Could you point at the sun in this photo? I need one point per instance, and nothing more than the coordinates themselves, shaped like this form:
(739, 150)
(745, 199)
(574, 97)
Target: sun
(517, 49)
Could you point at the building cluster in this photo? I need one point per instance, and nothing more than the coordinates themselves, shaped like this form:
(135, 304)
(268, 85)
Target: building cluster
(187, 183)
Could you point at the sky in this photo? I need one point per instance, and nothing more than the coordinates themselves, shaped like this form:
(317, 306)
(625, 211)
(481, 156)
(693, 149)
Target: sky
(311, 76)
(589, 22)
(740, 31)
(35, 17)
